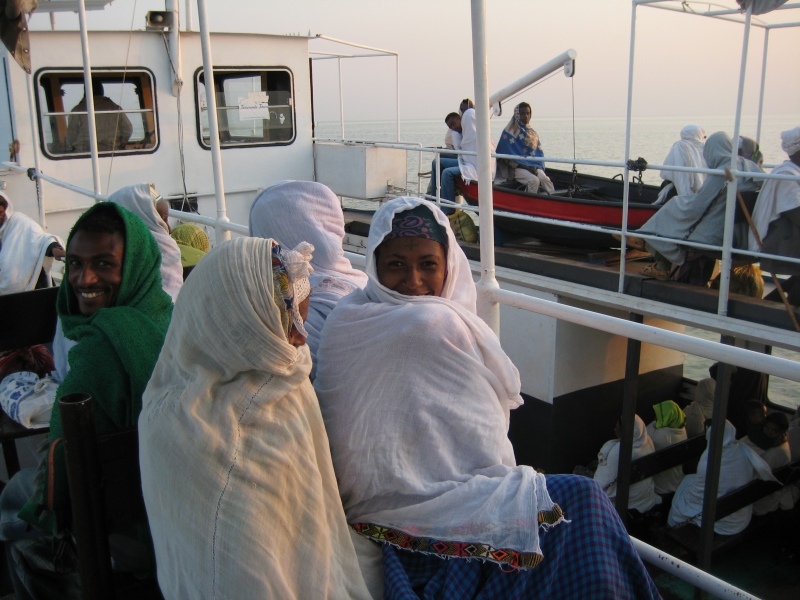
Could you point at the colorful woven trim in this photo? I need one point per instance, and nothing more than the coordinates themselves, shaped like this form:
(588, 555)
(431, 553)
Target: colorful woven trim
(468, 550)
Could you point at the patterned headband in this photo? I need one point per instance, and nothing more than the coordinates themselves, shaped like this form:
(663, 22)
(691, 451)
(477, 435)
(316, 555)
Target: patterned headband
(418, 222)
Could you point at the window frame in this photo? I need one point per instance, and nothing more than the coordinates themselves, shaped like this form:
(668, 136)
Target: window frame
(220, 70)
(66, 73)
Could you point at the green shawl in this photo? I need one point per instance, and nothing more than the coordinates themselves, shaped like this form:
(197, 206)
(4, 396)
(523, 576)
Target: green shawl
(669, 414)
(117, 349)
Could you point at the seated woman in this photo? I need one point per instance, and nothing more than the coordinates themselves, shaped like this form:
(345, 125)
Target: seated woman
(740, 465)
(643, 496)
(416, 394)
(520, 139)
(668, 429)
(696, 217)
(777, 218)
(686, 152)
(295, 211)
(236, 471)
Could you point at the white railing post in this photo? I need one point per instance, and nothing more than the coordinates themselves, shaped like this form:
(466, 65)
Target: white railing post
(625, 172)
(35, 147)
(222, 234)
(488, 309)
(89, 96)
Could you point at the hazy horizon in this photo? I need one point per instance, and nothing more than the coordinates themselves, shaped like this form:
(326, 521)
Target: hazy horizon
(683, 65)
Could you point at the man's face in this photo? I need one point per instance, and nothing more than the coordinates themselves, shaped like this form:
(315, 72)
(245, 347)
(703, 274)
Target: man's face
(525, 115)
(162, 208)
(454, 123)
(773, 432)
(2, 214)
(795, 158)
(95, 269)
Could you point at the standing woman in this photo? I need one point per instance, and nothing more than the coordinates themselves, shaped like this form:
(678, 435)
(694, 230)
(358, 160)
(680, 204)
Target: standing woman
(416, 392)
(686, 152)
(236, 472)
(296, 211)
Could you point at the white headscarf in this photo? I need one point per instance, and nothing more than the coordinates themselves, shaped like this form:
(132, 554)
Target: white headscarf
(24, 244)
(236, 471)
(296, 211)
(422, 445)
(740, 465)
(141, 200)
(686, 152)
(642, 495)
(777, 196)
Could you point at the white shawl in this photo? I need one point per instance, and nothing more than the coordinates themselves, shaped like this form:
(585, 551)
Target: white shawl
(740, 465)
(416, 393)
(24, 244)
(236, 471)
(664, 437)
(305, 211)
(776, 196)
(702, 408)
(686, 152)
(469, 143)
(141, 200)
(642, 495)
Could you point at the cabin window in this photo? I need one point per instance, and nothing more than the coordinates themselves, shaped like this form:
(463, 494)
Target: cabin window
(254, 107)
(125, 112)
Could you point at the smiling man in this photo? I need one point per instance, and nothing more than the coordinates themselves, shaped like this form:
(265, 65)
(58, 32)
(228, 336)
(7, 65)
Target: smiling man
(112, 304)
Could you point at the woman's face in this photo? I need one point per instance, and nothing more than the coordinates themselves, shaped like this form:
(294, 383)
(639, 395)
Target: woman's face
(412, 266)
(296, 338)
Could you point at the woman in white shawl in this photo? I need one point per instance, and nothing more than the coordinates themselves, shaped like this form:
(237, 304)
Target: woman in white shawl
(777, 211)
(701, 408)
(686, 152)
(295, 211)
(141, 200)
(416, 393)
(24, 249)
(643, 496)
(667, 429)
(236, 472)
(740, 465)
(696, 217)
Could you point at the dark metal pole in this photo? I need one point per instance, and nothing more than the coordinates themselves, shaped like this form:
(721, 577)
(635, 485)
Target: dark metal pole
(83, 467)
(714, 461)
(629, 397)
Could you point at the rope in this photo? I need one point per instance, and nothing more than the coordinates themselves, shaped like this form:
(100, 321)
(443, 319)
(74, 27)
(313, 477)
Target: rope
(181, 153)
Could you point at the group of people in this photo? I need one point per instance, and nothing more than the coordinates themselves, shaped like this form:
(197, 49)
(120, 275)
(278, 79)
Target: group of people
(764, 448)
(519, 139)
(694, 206)
(260, 482)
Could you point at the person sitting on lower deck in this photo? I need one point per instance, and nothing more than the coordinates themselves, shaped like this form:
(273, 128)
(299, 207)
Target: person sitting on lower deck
(416, 394)
(296, 211)
(24, 251)
(668, 429)
(236, 471)
(453, 122)
(740, 465)
(777, 218)
(772, 444)
(112, 302)
(686, 152)
(520, 139)
(701, 408)
(697, 217)
(643, 496)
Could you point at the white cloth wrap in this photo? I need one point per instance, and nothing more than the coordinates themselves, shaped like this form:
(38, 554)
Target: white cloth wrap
(24, 244)
(642, 495)
(790, 141)
(469, 143)
(297, 211)
(236, 470)
(664, 437)
(423, 445)
(702, 408)
(141, 200)
(740, 465)
(776, 196)
(686, 152)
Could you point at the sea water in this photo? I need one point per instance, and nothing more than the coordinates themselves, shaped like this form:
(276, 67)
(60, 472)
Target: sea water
(591, 139)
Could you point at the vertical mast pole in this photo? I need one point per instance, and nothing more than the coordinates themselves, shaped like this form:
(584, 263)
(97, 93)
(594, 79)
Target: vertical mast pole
(488, 309)
(89, 95)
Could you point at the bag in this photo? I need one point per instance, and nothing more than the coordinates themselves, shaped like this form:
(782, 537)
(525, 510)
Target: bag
(27, 399)
(463, 226)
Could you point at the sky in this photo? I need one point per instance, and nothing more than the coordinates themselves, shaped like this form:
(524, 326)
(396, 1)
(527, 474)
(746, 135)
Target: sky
(684, 65)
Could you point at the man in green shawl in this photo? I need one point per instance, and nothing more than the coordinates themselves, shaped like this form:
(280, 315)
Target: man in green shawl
(112, 304)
